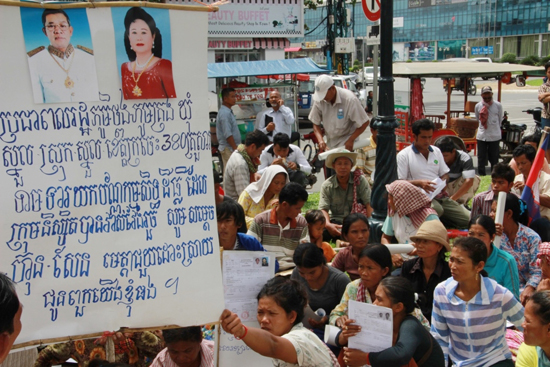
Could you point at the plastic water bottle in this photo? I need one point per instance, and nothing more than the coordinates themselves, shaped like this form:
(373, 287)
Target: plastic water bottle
(340, 114)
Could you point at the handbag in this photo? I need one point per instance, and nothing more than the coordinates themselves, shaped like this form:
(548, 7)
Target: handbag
(357, 207)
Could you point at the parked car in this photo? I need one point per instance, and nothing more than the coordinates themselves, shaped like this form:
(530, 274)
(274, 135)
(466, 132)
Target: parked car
(306, 90)
(483, 59)
(369, 75)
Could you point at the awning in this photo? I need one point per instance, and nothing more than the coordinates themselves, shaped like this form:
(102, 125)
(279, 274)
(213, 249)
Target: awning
(269, 43)
(458, 69)
(270, 67)
(293, 49)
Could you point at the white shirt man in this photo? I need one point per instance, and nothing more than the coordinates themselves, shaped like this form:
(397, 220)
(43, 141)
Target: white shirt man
(277, 119)
(340, 112)
(289, 156)
(61, 72)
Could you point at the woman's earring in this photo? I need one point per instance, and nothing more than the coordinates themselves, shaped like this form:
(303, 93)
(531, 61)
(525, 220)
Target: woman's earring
(153, 44)
(131, 49)
(477, 276)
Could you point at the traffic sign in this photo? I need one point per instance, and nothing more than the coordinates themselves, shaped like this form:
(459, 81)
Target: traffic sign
(371, 8)
(373, 35)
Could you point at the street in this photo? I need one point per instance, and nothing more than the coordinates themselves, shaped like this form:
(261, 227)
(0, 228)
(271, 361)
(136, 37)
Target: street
(514, 99)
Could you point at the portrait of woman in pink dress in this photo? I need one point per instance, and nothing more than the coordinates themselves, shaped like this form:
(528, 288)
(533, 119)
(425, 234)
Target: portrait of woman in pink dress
(147, 75)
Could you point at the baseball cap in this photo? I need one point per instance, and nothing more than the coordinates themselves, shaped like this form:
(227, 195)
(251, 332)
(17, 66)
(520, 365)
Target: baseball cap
(322, 85)
(486, 89)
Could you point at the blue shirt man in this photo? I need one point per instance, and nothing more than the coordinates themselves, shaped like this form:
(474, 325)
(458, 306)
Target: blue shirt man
(227, 130)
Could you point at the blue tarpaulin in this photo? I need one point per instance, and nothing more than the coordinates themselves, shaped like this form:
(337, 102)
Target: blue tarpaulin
(270, 67)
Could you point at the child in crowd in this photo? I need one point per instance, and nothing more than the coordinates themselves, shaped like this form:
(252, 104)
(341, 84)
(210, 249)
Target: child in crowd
(316, 225)
(356, 231)
(502, 179)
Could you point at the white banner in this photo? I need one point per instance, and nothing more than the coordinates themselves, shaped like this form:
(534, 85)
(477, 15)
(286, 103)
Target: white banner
(108, 215)
(258, 20)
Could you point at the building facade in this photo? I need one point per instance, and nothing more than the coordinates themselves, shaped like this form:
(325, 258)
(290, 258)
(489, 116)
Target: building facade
(439, 29)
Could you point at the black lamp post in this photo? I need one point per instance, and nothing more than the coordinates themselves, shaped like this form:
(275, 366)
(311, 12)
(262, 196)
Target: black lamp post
(385, 122)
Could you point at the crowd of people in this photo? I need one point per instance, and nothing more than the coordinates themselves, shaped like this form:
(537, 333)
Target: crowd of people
(475, 302)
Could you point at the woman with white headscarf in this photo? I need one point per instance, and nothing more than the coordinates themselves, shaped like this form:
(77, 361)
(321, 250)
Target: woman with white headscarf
(263, 194)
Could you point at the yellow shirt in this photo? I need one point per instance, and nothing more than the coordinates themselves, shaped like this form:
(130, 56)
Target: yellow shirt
(251, 209)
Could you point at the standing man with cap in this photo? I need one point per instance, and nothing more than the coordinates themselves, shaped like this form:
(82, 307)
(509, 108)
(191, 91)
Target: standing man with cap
(489, 114)
(340, 112)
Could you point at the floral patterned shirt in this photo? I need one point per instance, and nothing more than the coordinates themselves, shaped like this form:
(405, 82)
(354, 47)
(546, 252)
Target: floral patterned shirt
(524, 250)
(351, 294)
(135, 349)
(545, 88)
(310, 350)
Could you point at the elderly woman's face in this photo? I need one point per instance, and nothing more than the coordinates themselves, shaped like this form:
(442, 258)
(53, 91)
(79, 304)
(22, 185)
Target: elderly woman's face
(140, 36)
(534, 331)
(273, 318)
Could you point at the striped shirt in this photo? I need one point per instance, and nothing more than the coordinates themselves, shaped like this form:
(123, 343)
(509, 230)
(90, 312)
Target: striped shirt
(481, 203)
(278, 240)
(207, 356)
(473, 332)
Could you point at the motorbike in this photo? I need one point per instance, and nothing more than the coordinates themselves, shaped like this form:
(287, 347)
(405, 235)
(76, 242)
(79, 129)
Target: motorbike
(513, 133)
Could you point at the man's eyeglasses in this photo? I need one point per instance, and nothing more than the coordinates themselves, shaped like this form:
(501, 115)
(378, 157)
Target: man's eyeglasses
(62, 27)
(487, 98)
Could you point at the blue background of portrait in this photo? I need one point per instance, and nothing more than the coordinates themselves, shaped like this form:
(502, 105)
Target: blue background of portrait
(162, 20)
(31, 18)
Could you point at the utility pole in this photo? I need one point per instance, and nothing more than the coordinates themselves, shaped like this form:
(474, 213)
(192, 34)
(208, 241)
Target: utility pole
(337, 26)
(385, 121)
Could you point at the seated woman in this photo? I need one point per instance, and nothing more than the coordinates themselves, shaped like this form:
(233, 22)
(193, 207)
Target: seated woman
(356, 231)
(324, 284)
(263, 195)
(408, 208)
(282, 336)
(430, 268)
(470, 310)
(374, 265)
(521, 242)
(411, 341)
(500, 265)
(535, 352)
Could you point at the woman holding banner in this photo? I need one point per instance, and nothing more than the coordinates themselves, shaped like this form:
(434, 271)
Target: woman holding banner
(147, 74)
(282, 336)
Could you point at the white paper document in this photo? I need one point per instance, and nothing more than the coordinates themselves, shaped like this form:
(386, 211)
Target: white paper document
(439, 186)
(376, 327)
(244, 275)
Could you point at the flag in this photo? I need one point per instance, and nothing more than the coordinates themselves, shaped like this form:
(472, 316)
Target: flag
(531, 190)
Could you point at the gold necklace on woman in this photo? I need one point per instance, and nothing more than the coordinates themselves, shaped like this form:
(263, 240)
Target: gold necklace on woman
(137, 90)
(69, 83)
